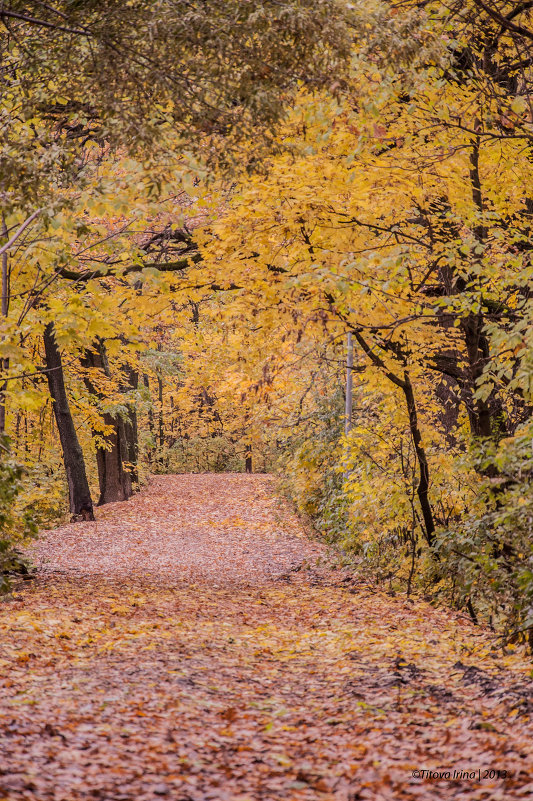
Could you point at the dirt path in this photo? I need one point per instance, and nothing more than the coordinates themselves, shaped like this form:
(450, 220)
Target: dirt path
(174, 650)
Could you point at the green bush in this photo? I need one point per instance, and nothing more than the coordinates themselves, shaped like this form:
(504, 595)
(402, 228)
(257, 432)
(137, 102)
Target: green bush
(489, 555)
(17, 526)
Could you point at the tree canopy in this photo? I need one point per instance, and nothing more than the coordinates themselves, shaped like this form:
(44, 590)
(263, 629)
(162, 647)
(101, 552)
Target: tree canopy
(200, 201)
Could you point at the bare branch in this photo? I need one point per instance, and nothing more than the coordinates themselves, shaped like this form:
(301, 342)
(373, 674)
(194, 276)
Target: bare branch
(42, 23)
(505, 22)
(20, 231)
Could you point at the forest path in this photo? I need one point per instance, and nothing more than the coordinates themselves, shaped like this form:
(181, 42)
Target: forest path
(188, 646)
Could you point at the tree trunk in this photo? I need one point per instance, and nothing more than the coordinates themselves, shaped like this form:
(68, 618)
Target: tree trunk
(151, 422)
(4, 363)
(160, 417)
(114, 478)
(131, 429)
(248, 459)
(81, 505)
(423, 483)
(416, 435)
(349, 386)
(483, 420)
(481, 417)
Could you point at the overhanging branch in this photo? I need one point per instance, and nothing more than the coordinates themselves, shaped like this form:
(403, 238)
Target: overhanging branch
(163, 267)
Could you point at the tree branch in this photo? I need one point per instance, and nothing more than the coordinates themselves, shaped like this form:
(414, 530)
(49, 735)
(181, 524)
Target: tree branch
(164, 267)
(20, 231)
(42, 23)
(375, 359)
(505, 22)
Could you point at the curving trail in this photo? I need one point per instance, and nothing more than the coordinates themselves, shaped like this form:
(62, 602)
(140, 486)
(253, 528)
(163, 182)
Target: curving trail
(193, 645)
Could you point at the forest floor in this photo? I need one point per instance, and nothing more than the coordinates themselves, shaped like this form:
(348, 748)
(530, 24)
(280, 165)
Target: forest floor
(193, 644)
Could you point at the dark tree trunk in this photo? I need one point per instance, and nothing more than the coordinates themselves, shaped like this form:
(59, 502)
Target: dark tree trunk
(486, 416)
(486, 419)
(4, 363)
(131, 429)
(481, 417)
(423, 483)
(114, 477)
(416, 435)
(151, 422)
(160, 417)
(248, 459)
(81, 505)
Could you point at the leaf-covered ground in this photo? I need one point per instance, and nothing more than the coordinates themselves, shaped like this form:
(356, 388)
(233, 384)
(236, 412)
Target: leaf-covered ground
(188, 646)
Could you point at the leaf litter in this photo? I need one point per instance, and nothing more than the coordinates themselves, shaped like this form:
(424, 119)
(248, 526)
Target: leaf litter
(195, 644)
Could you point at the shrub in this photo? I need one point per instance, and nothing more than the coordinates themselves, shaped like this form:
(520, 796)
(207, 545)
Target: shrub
(17, 526)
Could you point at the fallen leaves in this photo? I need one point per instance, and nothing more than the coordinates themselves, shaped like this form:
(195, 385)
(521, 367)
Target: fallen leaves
(247, 680)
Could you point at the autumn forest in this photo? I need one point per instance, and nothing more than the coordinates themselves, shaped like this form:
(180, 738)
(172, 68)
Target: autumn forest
(266, 400)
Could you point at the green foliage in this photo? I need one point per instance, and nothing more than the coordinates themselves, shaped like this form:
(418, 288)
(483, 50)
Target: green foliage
(16, 528)
(489, 553)
(309, 466)
(360, 492)
(216, 454)
(43, 491)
